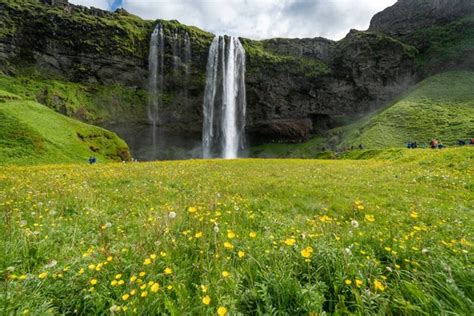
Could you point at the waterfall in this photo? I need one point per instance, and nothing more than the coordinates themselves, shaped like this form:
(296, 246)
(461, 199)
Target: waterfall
(187, 53)
(224, 136)
(187, 66)
(176, 46)
(155, 72)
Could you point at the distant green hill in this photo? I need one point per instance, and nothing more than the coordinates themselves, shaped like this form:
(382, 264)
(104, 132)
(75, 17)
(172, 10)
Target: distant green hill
(441, 106)
(32, 133)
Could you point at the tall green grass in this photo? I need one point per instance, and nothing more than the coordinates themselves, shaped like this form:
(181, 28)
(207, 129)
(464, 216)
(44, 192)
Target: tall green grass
(288, 237)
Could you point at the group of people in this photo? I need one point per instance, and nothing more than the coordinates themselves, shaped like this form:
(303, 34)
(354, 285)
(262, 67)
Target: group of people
(434, 144)
(437, 144)
(462, 142)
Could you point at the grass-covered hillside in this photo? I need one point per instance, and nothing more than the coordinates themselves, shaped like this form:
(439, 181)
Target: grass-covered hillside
(84, 101)
(439, 107)
(298, 237)
(31, 133)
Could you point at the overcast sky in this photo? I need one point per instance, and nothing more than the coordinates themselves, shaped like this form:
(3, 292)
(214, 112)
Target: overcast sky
(257, 19)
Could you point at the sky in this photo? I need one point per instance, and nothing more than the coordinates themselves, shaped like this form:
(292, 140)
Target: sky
(257, 19)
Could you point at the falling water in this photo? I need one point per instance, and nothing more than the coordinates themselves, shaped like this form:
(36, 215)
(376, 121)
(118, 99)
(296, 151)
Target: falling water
(187, 53)
(176, 46)
(155, 72)
(155, 79)
(226, 133)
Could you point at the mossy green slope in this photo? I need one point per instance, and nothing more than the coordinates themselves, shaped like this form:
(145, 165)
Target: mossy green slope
(441, 106)
(32, 133)
(87, 102)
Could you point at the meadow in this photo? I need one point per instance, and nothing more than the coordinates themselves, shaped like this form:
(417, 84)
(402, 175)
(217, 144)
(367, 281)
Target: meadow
(387, 235)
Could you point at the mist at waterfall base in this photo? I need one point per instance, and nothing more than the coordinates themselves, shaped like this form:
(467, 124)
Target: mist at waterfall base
(148, 143)
(224, 103)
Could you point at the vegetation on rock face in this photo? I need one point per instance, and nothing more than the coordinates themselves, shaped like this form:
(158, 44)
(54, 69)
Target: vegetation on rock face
(439, 107)
(290, 236)
(259, 58)
(30, 133)
(87, 102)
(446, 46)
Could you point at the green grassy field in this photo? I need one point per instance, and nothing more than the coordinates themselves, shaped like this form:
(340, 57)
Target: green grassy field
(30, 133)
(440, 107)
(391, 235)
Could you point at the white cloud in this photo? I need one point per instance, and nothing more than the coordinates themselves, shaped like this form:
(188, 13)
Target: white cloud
(259, 19)
(101, 4)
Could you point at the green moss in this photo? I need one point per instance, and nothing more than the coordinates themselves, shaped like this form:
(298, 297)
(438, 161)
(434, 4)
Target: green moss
(450, 43)
(259, 58)
(88, 102)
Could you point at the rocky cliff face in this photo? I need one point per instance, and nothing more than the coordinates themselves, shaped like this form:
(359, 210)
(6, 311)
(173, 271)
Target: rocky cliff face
(295, 87)
(407, 16)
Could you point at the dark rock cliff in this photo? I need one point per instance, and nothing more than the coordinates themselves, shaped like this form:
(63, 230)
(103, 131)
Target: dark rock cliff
(295, 87)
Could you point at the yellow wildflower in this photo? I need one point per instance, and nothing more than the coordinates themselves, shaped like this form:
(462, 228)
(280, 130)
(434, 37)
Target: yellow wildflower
(379, 286)
(307, 252)
(125, 297)
(241, 254)
(348, 282)
(358, 283)
(93, 281)
(230, 234)
(290, 241)
(198, 235)
(252, 234)
(110, 258)
(369, 218)
(144, 294)
(43, 275)
(222, 311)
(225, 274)
(206, 300)
(155, 287)
(147, 261)
(228, 245)
(192, 209)
(168, 271)
(118, 276)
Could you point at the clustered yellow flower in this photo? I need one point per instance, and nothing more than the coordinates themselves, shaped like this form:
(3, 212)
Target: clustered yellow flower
(290, 241)
(307, 252)
(379, 286)
(221, 311)
(369, 218)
